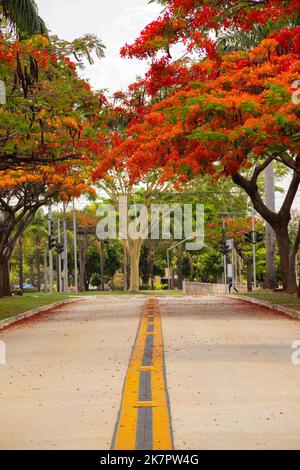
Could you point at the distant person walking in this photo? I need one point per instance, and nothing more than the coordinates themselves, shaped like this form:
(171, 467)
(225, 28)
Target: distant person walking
(230, 285)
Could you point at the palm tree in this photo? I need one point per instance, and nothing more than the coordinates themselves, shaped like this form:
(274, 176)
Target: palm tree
(239, 40)
(23, 15)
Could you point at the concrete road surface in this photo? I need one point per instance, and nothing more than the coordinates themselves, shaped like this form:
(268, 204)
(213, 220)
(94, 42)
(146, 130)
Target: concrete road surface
(62, 385)
(231, 381)
(230, 378)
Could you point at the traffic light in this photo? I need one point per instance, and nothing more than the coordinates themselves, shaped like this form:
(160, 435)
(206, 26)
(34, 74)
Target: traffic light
(60, 248)
(254, 237)
(51, 242)
(224, 248)
(259, 237)
(248, 237)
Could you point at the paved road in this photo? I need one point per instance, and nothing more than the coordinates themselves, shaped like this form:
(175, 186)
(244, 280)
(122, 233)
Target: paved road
(230, 379)
(62, 385)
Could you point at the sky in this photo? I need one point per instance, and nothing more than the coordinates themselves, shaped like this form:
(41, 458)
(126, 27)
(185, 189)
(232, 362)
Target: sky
(115, 22)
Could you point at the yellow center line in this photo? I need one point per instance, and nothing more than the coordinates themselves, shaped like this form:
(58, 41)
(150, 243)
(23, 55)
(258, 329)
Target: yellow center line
(125, 438)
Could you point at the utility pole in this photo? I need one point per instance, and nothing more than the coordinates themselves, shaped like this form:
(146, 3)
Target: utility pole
(233, 254)
(50, 233)
(254, 248)
(224, 254)
(102, 264)
(59, 258)
(65, 250)
(75, 247)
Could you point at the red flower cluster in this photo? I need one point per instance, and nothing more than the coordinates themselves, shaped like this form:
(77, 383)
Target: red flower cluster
(191, 21)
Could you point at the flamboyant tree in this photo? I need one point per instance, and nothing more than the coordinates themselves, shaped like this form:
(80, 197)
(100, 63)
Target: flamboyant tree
(46, 102)
(194, 24)
(116, 174)
(22, 194)
(234, 121)
(43, 127)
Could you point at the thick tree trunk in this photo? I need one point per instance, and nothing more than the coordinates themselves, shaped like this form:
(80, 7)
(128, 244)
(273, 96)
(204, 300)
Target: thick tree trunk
(152, 272)
(293, 254)
(288, 270)
(248, 261)
(270, 277)
(31, 268)
(82, 262)
(21, 271)
(191, 265)
(4, 277)
(134, 250)
(278, 221)
(125, 263)
(179, 268)
(38, 267)
(102, 264)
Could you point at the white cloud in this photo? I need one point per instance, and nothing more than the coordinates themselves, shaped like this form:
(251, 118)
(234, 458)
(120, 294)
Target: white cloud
(114, 21)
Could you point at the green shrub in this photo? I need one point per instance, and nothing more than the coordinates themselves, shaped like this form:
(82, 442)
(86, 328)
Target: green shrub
(145, 287)
(160, 287)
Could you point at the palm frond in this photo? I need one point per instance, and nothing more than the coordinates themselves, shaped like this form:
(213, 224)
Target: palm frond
(24, 15)
(86, 45)
(239, 40)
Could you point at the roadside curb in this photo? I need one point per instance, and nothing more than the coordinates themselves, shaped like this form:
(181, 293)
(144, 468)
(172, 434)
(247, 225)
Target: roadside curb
(265, 303)
(31, 313)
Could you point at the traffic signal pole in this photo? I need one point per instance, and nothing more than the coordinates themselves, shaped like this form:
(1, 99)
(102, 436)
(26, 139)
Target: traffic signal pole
(45, 269)
(66, 274)
(224, 255)
(59, 258)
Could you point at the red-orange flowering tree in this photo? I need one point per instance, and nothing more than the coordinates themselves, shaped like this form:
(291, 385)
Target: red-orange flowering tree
(116, 173)
(234, 122)
(195, 23)
(49, 112)
(46, 103)
(22, 193)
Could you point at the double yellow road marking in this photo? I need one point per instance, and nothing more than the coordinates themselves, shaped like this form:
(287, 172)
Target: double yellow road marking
(144, 420)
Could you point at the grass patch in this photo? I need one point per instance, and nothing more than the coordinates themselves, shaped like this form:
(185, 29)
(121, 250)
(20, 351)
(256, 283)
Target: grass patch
(280, 298)
(10, 306)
